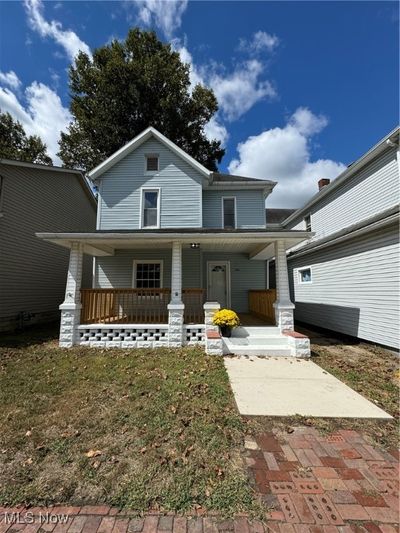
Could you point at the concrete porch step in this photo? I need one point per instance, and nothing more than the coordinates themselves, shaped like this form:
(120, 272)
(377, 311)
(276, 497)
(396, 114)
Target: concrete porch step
(255, 340)
(258, 331)
(257, 349)
(261, 341)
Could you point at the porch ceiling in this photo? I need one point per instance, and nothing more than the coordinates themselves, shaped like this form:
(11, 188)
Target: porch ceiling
(259, 245)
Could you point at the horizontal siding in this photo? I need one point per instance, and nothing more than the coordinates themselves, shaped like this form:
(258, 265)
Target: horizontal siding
(116, 271)
(32, 272)
(245, 275)
(250, 208)
(370, 191)
(355, 287)
(180, 183)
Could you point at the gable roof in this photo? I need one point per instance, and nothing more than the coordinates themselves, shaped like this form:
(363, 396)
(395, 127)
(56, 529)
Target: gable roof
(58, 170)
(136, 142)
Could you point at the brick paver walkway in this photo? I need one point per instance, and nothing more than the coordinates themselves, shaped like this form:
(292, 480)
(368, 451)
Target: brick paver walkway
(309, 483)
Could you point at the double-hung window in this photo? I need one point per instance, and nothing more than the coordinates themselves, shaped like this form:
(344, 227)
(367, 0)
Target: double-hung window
(150, 215)
(147, 274)
(229, 212)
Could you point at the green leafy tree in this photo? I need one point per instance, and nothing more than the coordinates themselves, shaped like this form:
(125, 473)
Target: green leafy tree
(128, 86)
(15, 144)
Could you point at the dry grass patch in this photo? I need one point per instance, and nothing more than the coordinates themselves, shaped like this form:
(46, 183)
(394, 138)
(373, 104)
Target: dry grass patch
(142, 429)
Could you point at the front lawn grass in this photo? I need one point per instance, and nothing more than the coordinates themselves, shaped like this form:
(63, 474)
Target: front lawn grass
(141, 429)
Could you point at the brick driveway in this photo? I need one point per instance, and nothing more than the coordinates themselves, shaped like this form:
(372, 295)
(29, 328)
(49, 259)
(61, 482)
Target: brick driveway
(309, 482)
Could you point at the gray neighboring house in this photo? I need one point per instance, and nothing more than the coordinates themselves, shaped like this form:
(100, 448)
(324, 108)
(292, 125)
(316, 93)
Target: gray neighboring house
(346, 277)
(33, 272)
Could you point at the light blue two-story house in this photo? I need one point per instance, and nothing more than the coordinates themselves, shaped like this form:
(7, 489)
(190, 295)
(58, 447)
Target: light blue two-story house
(174, 242)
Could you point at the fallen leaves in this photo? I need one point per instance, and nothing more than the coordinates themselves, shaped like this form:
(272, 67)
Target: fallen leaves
(93, 453)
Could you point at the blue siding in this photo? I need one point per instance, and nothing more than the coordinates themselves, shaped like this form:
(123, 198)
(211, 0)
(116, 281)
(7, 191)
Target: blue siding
(250, 208)
(180, 183)
(116, 271)
(245, 275)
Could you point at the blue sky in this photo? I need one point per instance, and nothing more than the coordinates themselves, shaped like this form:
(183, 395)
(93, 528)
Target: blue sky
(304, 88)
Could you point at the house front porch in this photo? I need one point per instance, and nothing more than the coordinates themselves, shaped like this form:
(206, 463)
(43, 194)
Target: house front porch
(163, 289)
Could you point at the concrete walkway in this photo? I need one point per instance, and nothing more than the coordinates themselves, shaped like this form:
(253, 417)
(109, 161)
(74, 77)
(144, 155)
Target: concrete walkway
(285, 386)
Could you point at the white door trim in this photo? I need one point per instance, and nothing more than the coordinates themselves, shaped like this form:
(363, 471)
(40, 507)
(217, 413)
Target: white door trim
(227, 276)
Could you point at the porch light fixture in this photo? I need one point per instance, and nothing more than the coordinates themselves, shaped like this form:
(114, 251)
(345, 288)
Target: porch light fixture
(194, 245)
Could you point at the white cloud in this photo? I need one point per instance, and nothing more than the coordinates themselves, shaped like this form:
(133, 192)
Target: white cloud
(306, 122)
(284, 155)
(43, 114)
(260, 42)
(165, 14)
(68, 39)
(215, 130)
(236, 91)
(10, 79)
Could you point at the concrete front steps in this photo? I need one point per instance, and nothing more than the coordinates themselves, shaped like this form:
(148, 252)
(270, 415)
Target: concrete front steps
(261, 341)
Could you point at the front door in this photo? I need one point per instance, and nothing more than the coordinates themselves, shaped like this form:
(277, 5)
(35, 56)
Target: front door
(218, 283)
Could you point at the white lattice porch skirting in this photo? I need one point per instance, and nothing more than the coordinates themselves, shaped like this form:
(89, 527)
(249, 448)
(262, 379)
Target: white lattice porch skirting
(135, 335)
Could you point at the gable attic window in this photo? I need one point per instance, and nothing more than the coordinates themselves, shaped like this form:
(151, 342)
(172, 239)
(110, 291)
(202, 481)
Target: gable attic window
(152, 163)
(307, 222)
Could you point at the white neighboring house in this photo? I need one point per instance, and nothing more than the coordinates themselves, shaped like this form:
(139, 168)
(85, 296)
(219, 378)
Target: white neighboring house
(346, 277)
(32, 272)
(175, 242)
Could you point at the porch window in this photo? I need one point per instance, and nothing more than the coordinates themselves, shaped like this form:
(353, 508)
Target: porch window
(229, 213)
(147, 274)
(150, 216)
(305, 275)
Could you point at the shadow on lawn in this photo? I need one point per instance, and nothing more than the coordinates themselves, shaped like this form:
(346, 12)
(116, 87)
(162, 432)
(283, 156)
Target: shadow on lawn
(31, 335)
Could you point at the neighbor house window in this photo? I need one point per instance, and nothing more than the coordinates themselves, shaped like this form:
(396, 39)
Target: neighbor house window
(147, 274)
(150, 208)
(305, 275)
(229, 213)
(307, 222)
(152, 163)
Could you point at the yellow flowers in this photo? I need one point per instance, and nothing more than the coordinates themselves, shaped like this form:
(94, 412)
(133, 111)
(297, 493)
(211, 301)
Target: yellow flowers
(226, 317)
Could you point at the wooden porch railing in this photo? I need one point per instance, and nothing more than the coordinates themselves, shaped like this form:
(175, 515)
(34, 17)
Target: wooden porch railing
(261, 304)
(137, 306)
(193, 300)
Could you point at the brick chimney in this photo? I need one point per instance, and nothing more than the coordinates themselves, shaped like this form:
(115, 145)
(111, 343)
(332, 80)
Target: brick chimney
(323, 182)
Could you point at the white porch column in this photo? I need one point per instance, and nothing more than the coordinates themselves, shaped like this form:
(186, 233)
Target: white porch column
(283, 305)
(176, 307)
(71, 307)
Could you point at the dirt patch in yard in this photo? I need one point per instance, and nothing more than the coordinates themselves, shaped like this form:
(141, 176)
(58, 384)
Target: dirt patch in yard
(141, 429)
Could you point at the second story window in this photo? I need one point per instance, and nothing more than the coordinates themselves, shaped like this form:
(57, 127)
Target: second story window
(152, 163)
(150, 208)
(229, 213)
(307, 222)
